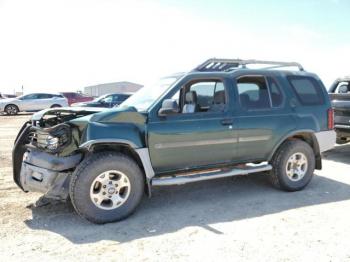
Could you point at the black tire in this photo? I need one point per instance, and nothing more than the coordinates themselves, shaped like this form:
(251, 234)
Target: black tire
(55, 106)
(340, 141)
(92, 167)
(11, 109)
(278, 174)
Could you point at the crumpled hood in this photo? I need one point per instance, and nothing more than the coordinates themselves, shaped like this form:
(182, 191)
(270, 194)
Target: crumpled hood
(95, 114)
(54, 111)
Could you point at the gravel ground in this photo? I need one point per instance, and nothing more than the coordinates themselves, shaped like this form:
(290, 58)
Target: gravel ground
(241, 219)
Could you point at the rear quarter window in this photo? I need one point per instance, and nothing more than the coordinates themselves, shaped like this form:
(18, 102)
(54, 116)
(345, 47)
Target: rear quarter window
(307, 90)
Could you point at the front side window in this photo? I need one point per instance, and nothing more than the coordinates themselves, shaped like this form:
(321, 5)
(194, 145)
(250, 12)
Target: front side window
(253, 92)
(107, 99)
(307, 89)
(28, 97)
(204, 96)
(343, 88)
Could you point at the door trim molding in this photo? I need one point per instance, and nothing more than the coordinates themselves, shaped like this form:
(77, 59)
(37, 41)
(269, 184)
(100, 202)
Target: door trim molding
(195, 143)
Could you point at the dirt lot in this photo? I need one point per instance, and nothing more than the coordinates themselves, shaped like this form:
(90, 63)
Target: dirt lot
(228, 219)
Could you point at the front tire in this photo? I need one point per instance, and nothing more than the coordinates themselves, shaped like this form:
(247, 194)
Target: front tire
(293, 165)
(11, 109)
(106, 187)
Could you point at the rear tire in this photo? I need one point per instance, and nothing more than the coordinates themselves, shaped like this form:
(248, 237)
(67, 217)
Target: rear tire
(340, 141)
(55, 106)
(293, 165)
(11, 109)
(106, 187)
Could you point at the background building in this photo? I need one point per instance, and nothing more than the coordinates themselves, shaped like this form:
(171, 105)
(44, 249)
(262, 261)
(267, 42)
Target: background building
(117, 87)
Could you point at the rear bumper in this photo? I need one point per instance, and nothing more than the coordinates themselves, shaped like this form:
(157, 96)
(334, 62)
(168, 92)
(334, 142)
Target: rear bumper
(326, 140)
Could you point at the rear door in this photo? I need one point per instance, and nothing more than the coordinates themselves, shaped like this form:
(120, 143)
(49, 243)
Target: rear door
(45, 101)
(264, 116)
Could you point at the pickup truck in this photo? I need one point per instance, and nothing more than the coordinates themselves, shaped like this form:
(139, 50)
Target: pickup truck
(339, 93)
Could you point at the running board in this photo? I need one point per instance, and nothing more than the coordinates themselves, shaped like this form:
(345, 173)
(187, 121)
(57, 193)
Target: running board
(213, 174)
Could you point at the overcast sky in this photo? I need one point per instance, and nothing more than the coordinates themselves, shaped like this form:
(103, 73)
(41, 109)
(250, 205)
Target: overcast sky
(66, 45)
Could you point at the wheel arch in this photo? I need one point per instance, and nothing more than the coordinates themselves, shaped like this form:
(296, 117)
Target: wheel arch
(139, 155)
(12, 104)
(307, 136)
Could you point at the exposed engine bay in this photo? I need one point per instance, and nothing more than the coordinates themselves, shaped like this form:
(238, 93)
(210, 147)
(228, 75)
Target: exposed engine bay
(45, 153)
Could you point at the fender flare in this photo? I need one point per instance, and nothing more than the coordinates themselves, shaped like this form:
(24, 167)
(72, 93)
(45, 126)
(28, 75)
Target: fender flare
(143, 154)
(315, 145)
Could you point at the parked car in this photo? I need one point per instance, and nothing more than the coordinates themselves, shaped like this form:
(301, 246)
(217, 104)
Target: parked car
(339, 93)
(222, 119)
(108, 101)
(74, 97)
(32, 102)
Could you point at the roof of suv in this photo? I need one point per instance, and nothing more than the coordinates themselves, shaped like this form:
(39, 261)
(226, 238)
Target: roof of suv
(220, 67)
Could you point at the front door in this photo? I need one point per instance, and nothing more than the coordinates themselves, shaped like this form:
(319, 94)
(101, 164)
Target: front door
(201, 134)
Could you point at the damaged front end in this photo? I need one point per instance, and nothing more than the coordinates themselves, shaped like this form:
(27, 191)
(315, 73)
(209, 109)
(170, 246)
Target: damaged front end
(46, 152)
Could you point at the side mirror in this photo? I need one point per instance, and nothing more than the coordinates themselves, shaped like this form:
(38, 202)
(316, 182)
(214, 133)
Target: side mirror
(169, 107)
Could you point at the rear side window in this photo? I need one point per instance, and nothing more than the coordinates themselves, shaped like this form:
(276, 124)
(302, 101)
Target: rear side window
(253, 92)
(307, 89)
(44, 96)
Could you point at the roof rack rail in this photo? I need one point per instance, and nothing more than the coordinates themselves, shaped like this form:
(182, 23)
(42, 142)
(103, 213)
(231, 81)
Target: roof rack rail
(225, 65)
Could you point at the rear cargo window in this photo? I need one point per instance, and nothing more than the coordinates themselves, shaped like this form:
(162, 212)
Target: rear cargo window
(307, 89)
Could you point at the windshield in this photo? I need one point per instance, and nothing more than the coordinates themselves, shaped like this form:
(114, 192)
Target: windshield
(146, 96)
(100, 98)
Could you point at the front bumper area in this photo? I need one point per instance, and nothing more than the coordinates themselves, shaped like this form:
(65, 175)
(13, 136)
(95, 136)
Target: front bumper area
(48, 174)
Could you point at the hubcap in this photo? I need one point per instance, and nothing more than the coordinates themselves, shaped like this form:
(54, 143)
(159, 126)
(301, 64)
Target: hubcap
(296, 166)
(11, 110)
(110, 190)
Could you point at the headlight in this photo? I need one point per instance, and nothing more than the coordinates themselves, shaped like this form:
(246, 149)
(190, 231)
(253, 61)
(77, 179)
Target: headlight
(53, 139)
(52, 142)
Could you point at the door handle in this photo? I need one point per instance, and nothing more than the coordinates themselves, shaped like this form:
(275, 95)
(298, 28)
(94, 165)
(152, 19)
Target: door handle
(226, 122)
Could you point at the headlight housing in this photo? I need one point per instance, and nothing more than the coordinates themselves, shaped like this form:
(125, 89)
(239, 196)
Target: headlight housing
(52, 140)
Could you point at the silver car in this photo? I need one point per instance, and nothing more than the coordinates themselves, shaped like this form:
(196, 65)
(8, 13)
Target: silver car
(32, 102)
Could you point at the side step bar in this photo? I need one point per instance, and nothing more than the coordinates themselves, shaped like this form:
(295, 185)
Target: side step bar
(184, 179)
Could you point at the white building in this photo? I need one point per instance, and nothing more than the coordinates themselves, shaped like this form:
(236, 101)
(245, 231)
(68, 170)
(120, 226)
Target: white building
(117, 87)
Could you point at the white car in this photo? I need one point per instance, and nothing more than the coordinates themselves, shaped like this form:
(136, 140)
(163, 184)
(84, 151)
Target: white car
(32, 102)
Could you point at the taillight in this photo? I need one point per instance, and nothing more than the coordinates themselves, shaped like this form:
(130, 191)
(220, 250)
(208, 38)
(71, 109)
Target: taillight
(330, 118)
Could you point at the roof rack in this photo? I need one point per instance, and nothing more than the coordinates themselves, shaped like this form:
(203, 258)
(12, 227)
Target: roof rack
(225, 65)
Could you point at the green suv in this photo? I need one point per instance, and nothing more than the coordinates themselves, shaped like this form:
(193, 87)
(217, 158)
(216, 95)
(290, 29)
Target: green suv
(224, 118)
